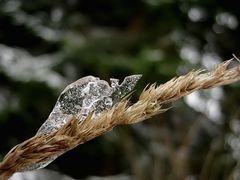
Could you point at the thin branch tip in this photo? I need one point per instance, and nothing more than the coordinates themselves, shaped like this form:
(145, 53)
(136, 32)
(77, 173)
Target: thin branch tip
(235, 57)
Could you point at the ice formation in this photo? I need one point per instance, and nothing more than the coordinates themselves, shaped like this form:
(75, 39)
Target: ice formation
(88, 94)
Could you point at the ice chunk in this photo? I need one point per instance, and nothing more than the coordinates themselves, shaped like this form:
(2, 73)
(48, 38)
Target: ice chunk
(88, 94)
(119, 91)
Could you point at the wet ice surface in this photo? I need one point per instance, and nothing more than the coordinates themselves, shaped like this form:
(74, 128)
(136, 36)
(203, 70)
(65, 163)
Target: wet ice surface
(84, 96)
(88, 94)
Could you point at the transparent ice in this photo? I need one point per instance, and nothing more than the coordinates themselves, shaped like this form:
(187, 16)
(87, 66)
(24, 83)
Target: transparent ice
(88, 94)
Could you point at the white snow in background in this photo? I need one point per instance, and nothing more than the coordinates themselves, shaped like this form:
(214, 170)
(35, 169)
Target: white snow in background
(233, 139)
(20, 65)
(227, 19)
(196, 13)
(46, 174)
(42, 174)
(207, 104)
(209, 60)
(235, 126)
(190, 53)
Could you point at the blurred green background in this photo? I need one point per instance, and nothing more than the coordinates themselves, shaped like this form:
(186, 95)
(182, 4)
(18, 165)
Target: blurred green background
(45, 45)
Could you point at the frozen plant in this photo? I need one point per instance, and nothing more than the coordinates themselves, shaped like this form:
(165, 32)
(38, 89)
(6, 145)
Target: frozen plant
(88, 94)
(71, 124)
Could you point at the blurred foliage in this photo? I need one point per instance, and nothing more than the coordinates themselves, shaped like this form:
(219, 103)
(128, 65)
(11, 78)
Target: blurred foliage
(45, 45)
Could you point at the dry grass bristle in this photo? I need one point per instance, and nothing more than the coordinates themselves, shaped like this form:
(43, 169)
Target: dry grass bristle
(41, 148)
